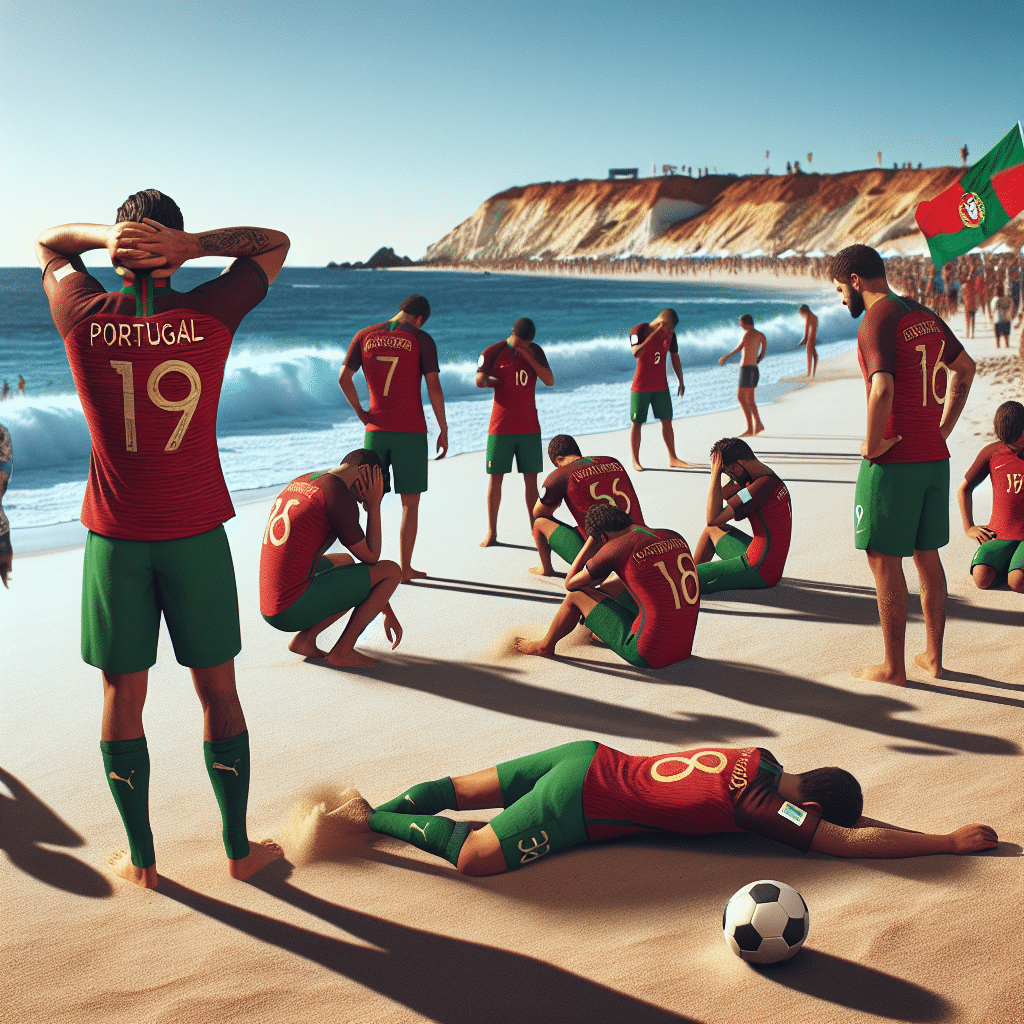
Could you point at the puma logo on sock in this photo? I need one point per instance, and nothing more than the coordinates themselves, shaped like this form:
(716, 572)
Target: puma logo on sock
(227, 768)
(422, 831)
(114, 775)
(410, 799)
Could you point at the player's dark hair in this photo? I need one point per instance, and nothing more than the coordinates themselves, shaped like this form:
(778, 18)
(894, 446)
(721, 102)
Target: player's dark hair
(365, 457)
(804, 309)
(747, 319)
(837, 791)
(673, 316)
(1009, 422)
(861, 260)
(732, 449)
(154, 205)
(604, 518)
(416, 305)
(561, 445)
(524, 328)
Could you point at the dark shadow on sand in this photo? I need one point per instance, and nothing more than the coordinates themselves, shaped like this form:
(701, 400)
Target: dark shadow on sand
(442, 979)
(480, 589)
(857, 987)
(497, 689)
(25, 822)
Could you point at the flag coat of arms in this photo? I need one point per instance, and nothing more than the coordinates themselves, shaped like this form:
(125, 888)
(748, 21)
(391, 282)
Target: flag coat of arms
(987, 196)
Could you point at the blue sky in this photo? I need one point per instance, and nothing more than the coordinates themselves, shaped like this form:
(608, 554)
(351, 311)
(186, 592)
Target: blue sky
(353, 125)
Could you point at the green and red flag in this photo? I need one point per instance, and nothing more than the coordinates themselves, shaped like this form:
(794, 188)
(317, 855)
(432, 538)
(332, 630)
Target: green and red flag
(987, 196)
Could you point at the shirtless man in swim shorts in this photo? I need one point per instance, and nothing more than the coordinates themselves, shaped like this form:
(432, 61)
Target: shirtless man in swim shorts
(1000, 556)
(303, 590)
(810, 338)
(652, 629)
(757, 495)
(584, 791)
(581, 483)
(754, 346)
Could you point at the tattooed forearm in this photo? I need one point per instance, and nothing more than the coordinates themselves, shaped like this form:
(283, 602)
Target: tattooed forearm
(235, 242)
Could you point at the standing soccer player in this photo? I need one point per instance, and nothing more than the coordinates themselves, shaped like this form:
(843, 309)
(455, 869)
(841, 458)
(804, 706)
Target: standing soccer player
(395, 356)
(901, 505)
(148, 363)
(512, 368)
(653, 345)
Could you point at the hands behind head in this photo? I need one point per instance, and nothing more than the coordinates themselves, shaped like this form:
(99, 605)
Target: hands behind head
(368, 485)
(125, 245)
(150, 245)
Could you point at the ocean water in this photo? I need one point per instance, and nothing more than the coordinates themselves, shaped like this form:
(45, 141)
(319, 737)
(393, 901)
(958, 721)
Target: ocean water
(282, 412)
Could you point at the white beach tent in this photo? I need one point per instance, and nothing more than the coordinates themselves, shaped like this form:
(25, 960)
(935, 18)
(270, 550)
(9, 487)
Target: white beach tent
(785, 255)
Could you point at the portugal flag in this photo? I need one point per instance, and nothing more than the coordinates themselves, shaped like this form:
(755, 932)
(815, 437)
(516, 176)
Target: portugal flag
(987, 196)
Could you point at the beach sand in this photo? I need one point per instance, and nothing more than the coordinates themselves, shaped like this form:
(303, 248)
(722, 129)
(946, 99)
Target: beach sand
(620, 932)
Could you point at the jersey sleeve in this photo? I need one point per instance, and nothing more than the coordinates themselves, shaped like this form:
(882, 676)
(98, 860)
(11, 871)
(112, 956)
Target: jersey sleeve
(953, 345)
(488, 358)
(554, 488)
(601, 565)
(538, 353)
(237, 291)
(73, 294)
(428, 353)
(354, 355)
(638, 334)
(980, 468)
(342, 511)
(748, 500)
(877, 337)
(760, 809)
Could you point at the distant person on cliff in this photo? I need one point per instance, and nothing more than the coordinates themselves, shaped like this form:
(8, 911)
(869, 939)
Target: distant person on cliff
(512, 367)
(581, 482)
(809, 339)
(6, 468)
(653, 345)
(901, 505)
(754, 493)
(755, 346)
(1000, 555)
(395, 356)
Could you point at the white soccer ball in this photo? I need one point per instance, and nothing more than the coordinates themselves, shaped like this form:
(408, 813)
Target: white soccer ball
(765, 922)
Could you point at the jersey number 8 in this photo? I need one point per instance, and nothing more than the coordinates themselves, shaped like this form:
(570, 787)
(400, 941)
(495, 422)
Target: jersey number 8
(688, 581)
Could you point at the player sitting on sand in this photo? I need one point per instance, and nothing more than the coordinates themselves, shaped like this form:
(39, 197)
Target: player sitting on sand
(1001, 554)
(757, 495)
(304, 590)
(512, 368)
(581, 483)
(656, 628)
(148, 364)
(584, 791)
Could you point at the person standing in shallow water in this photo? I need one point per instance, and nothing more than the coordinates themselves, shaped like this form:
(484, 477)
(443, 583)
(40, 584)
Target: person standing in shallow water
(754, 345)
(156, 499)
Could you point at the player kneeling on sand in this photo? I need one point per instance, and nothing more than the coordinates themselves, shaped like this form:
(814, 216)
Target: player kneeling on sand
(1001, 554)
(581, 483)
(757, 495)
(302, 590)
(584, 791)
(654, 568)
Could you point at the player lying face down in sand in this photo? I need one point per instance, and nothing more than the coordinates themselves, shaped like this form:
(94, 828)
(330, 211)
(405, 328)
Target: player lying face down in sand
(648, 613)
(584, 791)
(302, 590)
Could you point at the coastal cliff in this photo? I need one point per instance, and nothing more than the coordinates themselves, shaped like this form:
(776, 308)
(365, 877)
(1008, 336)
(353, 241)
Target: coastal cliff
(716, 215)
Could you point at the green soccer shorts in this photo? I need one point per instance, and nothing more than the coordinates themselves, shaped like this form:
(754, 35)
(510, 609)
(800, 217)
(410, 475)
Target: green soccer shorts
(659, 402)
(334, 589)
(733, 571)
(405, 453)
(902, 507)
(525, 447)
(1002, 555)
(611, 620)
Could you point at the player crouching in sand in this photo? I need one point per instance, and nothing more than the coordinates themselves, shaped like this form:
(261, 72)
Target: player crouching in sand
(657, 571)
(302, 590)
(584, 791)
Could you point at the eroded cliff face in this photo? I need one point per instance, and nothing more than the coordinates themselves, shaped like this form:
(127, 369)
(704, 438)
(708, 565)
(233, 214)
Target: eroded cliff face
(676, 216)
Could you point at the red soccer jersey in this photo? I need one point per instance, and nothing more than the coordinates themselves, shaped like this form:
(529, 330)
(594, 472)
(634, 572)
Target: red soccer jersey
(695, 792)
(307, 517)
(587, 481)
(148, 364)
(658, 570)
(394, 357)
(1006, 468)
(904, 338)
(651, 365)
(515, 406)
(770, 514)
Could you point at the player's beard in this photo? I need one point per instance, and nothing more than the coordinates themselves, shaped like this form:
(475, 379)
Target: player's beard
(855, 303)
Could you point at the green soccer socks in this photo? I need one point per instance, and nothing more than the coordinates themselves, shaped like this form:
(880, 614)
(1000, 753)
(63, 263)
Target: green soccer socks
(227, 763)
(126, 765)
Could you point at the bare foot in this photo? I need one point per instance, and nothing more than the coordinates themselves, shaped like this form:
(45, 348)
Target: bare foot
(637, 466)
(305, 647)
(488, 542)
(524, 646)
(539, 570)
(260, 855)
(679, 464)
(746, 433)
(880, 674)
(412, 574)
(929, 664)
(351, 659)
(760, 429)
(120, 862)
